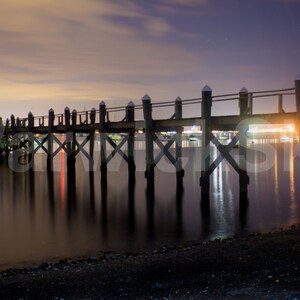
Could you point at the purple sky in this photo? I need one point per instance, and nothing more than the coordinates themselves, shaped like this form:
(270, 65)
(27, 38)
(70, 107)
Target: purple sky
(76, 53)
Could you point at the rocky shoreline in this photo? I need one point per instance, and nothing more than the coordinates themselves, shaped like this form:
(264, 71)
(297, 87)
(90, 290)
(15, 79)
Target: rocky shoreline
(256, 266)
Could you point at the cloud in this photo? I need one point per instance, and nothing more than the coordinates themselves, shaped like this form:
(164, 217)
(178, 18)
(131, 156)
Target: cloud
(81, 50)
(186, 2)
(157, 26)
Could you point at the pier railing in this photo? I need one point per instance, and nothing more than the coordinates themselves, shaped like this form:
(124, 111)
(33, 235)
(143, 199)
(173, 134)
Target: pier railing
(84, 117)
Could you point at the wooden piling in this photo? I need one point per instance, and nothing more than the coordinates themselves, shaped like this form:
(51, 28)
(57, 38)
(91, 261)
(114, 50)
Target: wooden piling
(179, 169)
(102, 115)
(2, 140)
(297, 98)
(206, 105)
(280, 109)
(12, 121)
(50, 140)
(73, 140)
(31, 139)
(92, 139)
(69, 137)
(250, 108)
(130, 142)
(243, 176)
(6, 140)
(15, 143)
(147, 110)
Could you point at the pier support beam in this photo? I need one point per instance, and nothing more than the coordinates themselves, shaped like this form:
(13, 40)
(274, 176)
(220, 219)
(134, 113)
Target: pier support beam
(69, 137)
(92, 140)
(178, 165)
(15, 143)
(297, 90)
(243, 176)
(31, 139)
(206, 105)
(103, 166)
(50, 140)
(2, 149)
(147, 109)
(73, 139)
(280, 109)
(130, 143)
(250, 106)
(6, 140)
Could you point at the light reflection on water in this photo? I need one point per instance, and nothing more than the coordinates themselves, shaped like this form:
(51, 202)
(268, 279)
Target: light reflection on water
(46, 217)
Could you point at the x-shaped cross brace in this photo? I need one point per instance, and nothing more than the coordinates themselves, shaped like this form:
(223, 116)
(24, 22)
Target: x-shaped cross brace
(164, 150)
(60, 145)
(40, 144)
(80, 147)
(224, 153)
(117, 148)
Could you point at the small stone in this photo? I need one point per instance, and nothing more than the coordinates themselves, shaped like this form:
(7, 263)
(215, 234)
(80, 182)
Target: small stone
(43, 266)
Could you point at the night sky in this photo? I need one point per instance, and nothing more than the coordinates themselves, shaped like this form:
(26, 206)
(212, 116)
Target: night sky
(56, 53)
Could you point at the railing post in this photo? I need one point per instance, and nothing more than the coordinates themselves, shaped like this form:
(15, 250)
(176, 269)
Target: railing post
(179, 170)
(250, 109)
(297, 91)
(73, 141)
(206, 105)
(243, 101)
(31, 138)
(103, 167)
(130, 143)
(280, 109)
(147, 110)
(243, 176)
(2, 140)
(12, 122)
(50, 140)
(92, 138)
(14, 142)
(6, 140)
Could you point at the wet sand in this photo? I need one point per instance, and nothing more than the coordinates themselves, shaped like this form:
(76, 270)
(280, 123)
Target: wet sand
(256, 266)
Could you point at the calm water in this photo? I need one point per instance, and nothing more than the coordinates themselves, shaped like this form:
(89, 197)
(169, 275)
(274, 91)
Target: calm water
(42, 217)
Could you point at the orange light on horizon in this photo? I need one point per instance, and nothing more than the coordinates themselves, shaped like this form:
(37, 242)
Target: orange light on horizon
(284, 128)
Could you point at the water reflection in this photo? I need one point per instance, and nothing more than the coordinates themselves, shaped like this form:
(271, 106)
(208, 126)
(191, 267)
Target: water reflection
(205, 218)
(276, 183)
(179, 210)
(71, 195)
(92, 195)
(293, 205)
(68, 214)
(104, 206)
(243, 214)
(50, 182)
(131, 206)
(150, 195)
(62, 175)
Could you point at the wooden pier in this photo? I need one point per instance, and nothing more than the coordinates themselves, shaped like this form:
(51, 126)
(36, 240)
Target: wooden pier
(24, 133)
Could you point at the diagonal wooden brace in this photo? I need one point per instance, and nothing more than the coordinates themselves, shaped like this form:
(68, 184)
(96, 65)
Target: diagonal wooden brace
(80, 147)
(61, 146)
(164, 150)
(40, 145)
(117, 148)
(224, 153)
